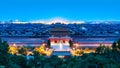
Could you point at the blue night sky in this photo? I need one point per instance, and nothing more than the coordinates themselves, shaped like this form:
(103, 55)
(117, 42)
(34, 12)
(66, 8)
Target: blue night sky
(27, 10)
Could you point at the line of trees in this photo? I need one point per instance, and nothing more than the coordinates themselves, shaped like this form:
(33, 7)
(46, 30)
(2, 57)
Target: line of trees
(104, 57)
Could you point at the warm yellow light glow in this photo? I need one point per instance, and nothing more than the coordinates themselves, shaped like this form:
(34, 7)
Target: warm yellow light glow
(41, 50)
(13, 49)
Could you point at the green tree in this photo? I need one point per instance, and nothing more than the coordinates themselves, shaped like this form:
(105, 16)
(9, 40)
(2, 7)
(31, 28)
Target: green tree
(37, 60)
(114, 45)
(4, 55)
(100, 49)
(23, 50)
(19, 61)
(115, 50)
(118, 46)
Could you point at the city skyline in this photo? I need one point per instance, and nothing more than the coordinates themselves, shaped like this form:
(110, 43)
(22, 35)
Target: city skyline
(74, 10)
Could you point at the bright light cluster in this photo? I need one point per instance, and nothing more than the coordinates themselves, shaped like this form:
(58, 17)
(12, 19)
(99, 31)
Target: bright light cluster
(57, 20)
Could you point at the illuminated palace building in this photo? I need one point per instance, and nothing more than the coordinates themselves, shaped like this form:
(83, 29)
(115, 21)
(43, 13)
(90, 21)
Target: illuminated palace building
(62, 39)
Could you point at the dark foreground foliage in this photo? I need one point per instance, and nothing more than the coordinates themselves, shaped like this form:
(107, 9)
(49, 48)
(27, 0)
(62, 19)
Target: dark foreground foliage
(105, 57)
